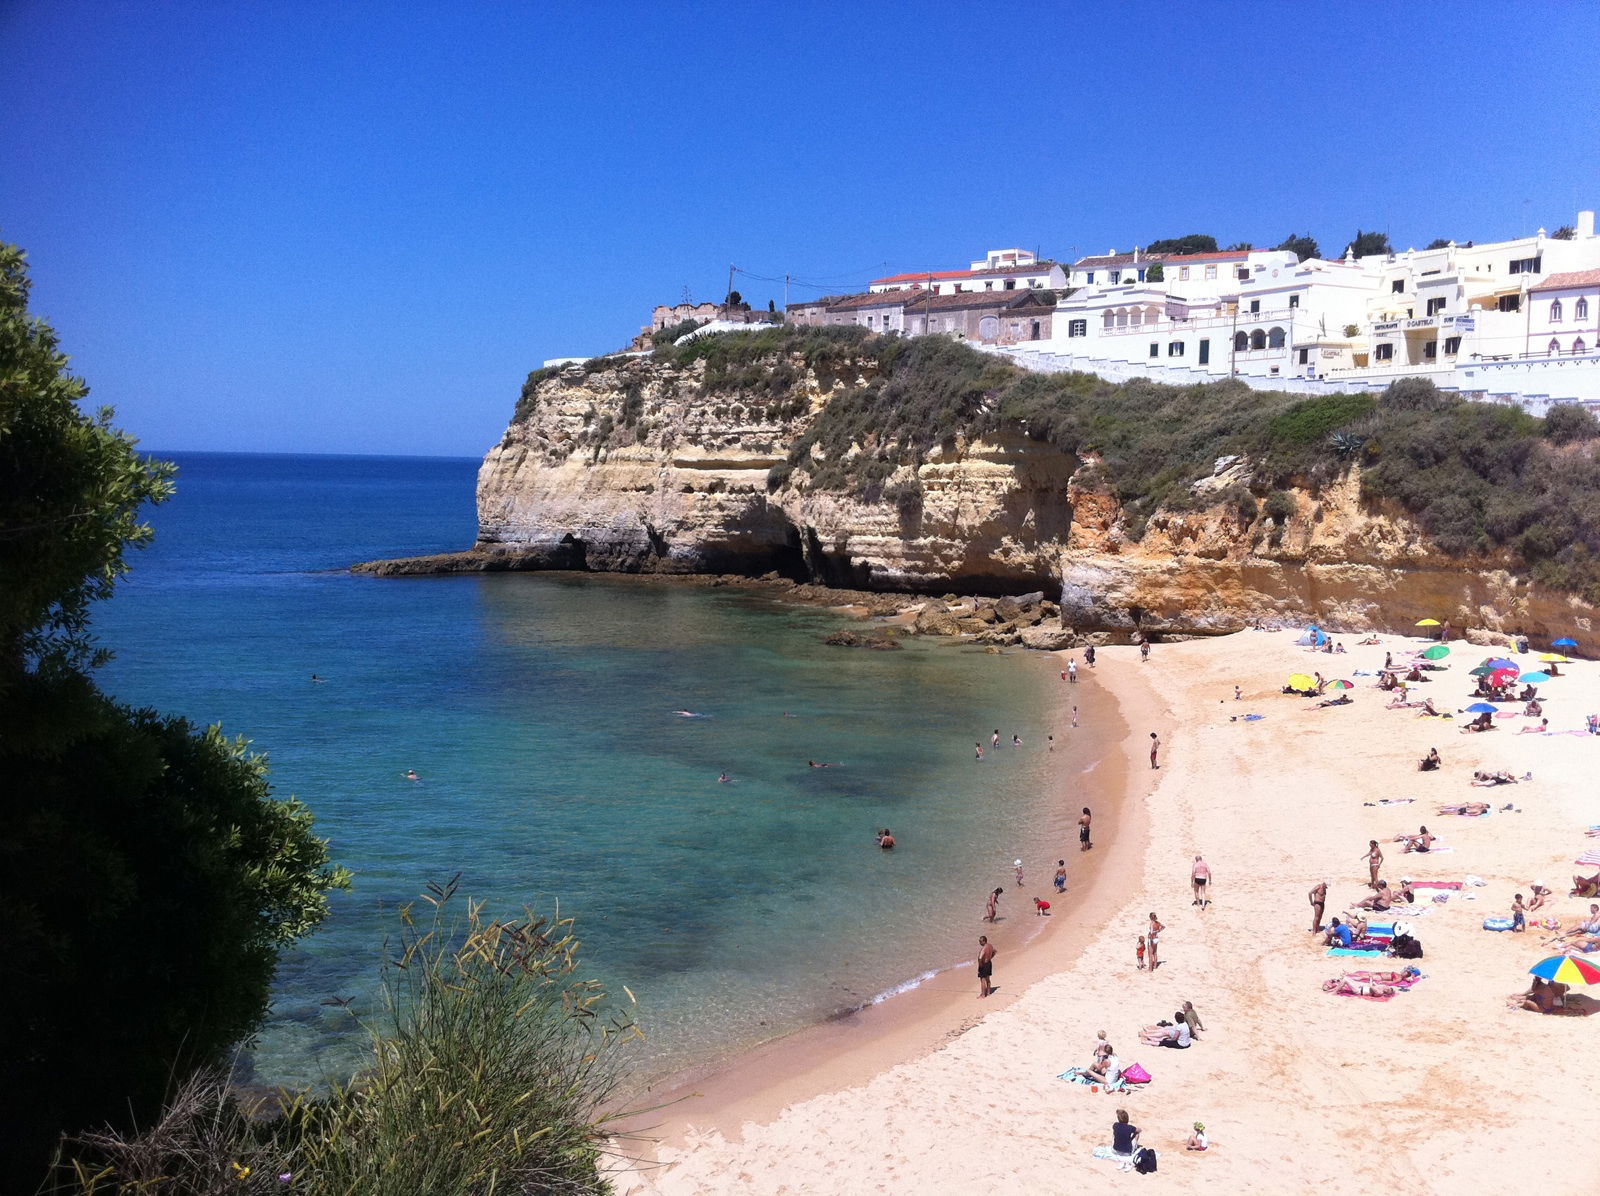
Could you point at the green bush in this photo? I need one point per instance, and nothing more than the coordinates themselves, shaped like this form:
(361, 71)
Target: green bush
(1279, 506)
(493, 1067)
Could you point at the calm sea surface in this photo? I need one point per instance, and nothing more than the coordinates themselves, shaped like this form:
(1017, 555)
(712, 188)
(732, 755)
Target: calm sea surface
(540, 715)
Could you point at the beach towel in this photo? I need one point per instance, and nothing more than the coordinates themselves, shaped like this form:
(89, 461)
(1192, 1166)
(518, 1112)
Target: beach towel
(1354, 952)
(1589, 857)
(1436, 884)
(1253, 718)
(1368, 996)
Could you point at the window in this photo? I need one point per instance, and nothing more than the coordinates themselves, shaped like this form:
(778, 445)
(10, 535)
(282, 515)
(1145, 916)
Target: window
(1205, 351)
(1554, 346)
(1211, 271)
(1258, 339)
(1555, 311)
(1430, 350)
(1255, 306)
(1580, 310)
(1275, 338)
(1155, 349)
(1294, 301)
(988, 286)
(1242, 273)
(1384, 353)
(1578, 346)
(1305, 357)
(1011, 284)
(1452, 345)
(1509, 303)
(1141, 273)
(1525, 265)
(1241, 342)
(1089, 277)
(1116, 276)
(1077, 327)
(1175, 349)
(1183, 273)
(1435, 306)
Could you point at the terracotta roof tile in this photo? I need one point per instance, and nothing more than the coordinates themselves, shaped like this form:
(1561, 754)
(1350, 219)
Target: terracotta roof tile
(1573, 278)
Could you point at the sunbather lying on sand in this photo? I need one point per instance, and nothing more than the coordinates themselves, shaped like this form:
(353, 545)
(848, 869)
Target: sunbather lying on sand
(1484, 722)
(1342, 700)
(1468, 809)
(1346, 986)
(1490, 779)
(1585, 886)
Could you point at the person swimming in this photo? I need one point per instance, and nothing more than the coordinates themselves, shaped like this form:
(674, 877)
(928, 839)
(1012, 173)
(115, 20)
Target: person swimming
(687, 714)
(885, 839)
(410, 774)
(823, 764)
(317, 679)
(724, 778)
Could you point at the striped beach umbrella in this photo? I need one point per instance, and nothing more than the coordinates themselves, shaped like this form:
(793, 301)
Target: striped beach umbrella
(1340, 685)
(1566, 969)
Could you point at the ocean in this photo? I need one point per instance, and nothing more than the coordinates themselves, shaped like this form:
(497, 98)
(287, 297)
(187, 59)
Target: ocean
(542, 716)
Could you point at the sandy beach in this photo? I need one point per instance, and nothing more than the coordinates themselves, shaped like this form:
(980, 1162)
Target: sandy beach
(1440, 1088)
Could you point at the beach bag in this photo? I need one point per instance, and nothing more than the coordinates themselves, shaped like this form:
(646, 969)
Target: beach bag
(1134, 1074)
(1144, 1160)
(1406, 947)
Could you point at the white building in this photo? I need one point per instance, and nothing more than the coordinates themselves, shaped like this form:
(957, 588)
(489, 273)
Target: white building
(1495, 319)
(1000, 270)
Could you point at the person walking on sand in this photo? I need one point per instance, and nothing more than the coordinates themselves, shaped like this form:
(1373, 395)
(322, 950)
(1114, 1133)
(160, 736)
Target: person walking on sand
(1088, 656)
(1374, 862)
(1074, 716)
(1018, 866)
(1238, 694)
(1153, 939)
(1072, 670)
(1061, 876)
(1155, 746)
(986, 955)
(1319, 899)
(994, 900)
(1083, 830)
(1144, 650)
(1199, 878)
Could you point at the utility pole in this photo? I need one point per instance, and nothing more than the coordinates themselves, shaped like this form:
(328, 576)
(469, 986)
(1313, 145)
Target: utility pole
(731, 269)
(786, 292)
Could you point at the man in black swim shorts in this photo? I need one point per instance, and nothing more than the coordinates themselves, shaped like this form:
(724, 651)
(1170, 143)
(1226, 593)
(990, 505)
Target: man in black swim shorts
(985, 965)
(1083, 830)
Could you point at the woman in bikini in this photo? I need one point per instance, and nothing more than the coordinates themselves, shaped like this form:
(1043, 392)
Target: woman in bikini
(1152, 937)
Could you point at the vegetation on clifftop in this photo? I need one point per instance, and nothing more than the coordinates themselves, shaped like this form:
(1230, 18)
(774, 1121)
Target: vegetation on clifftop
(1478, 477)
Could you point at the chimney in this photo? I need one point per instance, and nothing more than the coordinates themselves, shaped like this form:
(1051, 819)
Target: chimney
(1586, 224)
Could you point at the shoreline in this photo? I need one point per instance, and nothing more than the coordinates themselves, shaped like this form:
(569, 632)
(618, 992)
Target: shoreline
(1296, 1085)
(756, 1084)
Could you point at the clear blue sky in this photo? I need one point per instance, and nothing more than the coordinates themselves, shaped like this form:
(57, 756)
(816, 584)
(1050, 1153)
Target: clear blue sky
(355, 227)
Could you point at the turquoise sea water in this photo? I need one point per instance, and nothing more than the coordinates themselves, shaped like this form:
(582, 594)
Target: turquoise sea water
(539, 712)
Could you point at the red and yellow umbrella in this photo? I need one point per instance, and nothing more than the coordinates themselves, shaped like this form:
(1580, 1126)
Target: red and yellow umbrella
(1566, 969)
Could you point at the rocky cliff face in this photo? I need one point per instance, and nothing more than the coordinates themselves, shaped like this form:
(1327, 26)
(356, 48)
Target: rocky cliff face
(636, 467)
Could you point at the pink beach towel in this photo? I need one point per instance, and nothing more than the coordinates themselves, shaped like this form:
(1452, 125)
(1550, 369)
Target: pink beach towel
(1436, 884)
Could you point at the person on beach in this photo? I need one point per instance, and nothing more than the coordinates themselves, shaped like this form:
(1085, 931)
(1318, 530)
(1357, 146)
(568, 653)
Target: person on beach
(1405, 892)
(1319, 899)
(1155, 746)
(823, 763)
(1538, 894)
(1238, 694)
(994, 740)
(1074, 716)
(724, 777)
(986, 955)
(1041, 907)
(1083, 830)
(979, 748)
(1519, 914)
(1198, 1139)
(1072, 671)
(1088, 656)
(1138, 952)
(1102, 1048)
(1422, 841)
(1380, 901)
(1467, 809)
(1374, 859)
(1196, 1027)
(1124, 1139)
(1152, 939)
(1016, 741)
(994, 901)
(1144, 650)
(1050, 743)
(1061, 876)
(1338, 934)
(885, 839)
(1430, 762)
(1018, 865)
(1199, 878)
(1107, 1071)
(1176, 1035)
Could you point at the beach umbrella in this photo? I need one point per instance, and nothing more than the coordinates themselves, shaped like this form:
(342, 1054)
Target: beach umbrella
(1554, 658)
(1535, 678)
(1588, 857)
(1563, 642)
(1482, 670)
(1500, 662)
(1340, 685)
(1566, 969)
(1482, 708)
(1502, 676)
(1427, 622)
(1437, 652)
(1301, 681)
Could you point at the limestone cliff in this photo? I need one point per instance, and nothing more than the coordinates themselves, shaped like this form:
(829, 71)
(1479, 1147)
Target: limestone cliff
(648, 466)
(637, 468)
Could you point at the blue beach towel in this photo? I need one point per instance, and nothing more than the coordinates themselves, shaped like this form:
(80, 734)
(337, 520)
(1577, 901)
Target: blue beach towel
(1355, 952)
